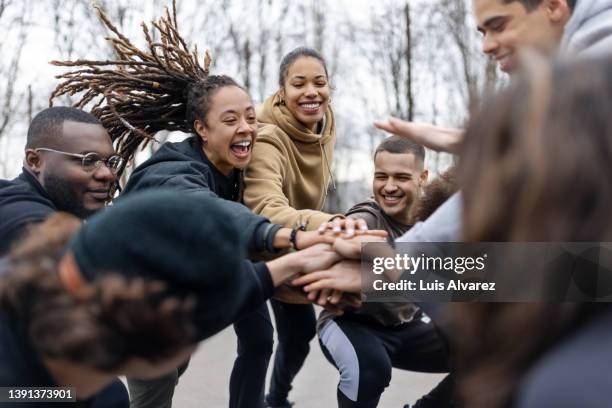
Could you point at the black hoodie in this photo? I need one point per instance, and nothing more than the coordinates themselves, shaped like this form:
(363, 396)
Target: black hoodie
(184, 167)
(22, 201)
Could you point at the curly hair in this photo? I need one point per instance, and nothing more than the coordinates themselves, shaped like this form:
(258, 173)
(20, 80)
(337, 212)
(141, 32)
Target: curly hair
(103, 324)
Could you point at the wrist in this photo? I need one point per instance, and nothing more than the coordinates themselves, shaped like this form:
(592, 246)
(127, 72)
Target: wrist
(284, 268)
(282, 239)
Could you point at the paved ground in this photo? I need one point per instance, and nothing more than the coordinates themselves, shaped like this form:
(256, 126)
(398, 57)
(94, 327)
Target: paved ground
(205, 384)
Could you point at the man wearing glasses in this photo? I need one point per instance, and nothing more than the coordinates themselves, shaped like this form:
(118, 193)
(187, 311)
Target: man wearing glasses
(70, 165)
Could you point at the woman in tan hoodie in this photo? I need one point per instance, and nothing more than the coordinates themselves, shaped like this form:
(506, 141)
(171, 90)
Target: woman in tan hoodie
(287, 182)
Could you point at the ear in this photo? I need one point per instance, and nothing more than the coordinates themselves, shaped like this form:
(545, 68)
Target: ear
(201, 130)
(281, 93)
(558, 11)
(33, 161)
(423, 178)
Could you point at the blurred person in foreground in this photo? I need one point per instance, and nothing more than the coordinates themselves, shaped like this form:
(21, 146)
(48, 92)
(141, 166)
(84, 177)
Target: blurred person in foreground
(126, 295)
(536, 167)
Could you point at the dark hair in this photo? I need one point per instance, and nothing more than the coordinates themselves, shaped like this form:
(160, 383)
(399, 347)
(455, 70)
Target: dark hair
(102, 325)
(142, 92)
(199, 96)
(48, 124)
(435, 193)
(531, 5)
(399, 145)
(531, 170)
(294, 55)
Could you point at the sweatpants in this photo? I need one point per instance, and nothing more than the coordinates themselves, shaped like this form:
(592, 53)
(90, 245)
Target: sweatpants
(247, 381)
(295, 327)
(364, 352)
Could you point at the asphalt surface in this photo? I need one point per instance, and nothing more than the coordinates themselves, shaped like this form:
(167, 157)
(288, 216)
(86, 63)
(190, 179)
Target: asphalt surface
(206, 382)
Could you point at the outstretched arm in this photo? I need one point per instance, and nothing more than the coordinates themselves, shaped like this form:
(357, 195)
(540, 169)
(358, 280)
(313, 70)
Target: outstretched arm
(433, 137)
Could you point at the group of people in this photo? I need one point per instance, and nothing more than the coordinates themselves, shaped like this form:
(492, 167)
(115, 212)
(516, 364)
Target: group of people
(207, 230)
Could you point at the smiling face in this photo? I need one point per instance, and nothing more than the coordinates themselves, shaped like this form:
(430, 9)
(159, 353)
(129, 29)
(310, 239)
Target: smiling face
(72, 188)
(306, 91)
(509, 27)
(230, 129)
(398, 179)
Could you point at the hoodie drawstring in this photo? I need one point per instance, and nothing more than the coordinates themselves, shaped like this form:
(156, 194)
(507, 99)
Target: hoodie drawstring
(331, 176)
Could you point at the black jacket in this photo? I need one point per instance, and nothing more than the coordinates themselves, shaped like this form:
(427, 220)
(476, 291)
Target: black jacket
(184, 167)
(22, 201)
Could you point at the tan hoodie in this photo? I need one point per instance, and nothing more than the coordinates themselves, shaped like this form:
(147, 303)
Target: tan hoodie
(289, 173)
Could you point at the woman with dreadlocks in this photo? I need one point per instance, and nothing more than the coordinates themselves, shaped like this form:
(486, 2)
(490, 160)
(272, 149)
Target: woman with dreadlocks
(165, 88)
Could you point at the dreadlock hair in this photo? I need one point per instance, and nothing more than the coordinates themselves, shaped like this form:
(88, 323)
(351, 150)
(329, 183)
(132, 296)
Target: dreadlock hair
(141, 92)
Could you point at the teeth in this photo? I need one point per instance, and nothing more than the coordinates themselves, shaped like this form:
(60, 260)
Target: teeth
(311, 105)
(244, 143)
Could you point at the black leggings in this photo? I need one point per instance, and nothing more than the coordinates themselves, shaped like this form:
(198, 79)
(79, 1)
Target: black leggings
(255, 340)
(295, 325)
(364, 353)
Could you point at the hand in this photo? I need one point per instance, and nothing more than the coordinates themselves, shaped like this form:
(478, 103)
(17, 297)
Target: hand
(317, 257)
(292, 295)
(335, 297)
(430, 136)
(321, 256)
(351, 248)
(346, 225)
(344, 276)
(306, 239)
(288, 294)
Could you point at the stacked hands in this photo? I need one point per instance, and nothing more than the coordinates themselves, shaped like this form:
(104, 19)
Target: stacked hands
(326, 270)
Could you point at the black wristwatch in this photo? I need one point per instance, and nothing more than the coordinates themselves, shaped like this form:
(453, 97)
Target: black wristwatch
(293, 236)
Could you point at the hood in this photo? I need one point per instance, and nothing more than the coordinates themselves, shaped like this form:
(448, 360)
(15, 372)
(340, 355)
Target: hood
(273, 113)
(186, 150)
(589, 30)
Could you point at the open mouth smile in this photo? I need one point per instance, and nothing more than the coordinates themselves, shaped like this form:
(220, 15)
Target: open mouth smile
(310, 108)
(241, 149)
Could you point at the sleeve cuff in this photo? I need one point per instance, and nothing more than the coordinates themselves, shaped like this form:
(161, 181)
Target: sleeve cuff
(264, 278)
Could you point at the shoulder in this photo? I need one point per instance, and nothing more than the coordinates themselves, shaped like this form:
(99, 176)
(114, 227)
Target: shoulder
(573, 374)
(167, 168)
(21, 203)
(272, 134)
(367, 210)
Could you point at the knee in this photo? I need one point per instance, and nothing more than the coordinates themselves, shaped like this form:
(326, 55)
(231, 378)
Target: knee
(374, 377)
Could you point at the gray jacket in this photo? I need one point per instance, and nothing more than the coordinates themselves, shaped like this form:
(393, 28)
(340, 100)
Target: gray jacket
(589, 32)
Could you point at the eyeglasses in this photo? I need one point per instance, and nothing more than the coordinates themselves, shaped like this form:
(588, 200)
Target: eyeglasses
(91, 161)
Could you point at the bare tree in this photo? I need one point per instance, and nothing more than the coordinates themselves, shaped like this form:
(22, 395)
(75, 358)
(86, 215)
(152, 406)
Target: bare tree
(391, 55)
(14, 23)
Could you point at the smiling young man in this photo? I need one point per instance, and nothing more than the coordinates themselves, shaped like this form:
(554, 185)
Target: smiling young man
(365, 344)
(399, 176)
(508, 26)
(69, 166)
